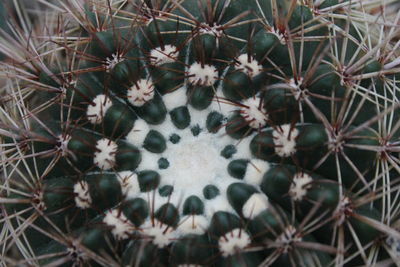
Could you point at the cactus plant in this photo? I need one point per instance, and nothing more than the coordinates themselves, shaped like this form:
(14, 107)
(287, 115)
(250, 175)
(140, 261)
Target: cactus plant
(202, 133)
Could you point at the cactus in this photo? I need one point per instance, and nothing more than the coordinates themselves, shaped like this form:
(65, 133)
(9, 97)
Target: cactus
(202, 133)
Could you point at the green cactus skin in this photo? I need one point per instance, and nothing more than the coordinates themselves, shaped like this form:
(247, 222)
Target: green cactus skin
(211, 133)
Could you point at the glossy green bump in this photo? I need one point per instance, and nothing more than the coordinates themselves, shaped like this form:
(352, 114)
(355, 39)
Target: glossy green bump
(237, 127)
(200, 97)
(155, 142)
(148, 180)
(105, 190)
(180, 117)
(210, 191)
(237, 168)
(136, 210)
(238, 194)
(214, 121)
(193, 205)
(166, 190)
(168, 214)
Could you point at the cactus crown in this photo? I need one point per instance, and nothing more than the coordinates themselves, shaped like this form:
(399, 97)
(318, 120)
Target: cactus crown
(204, 133)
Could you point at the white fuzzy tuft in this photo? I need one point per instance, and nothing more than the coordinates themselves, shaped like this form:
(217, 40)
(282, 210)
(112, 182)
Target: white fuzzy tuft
(215, 30)
(175, 99)
(255, 171)
(285, 140)
(63, 144)
(233, 242)
(83, 200)
(256, 204)
(138, 133)
(104, 157)
(168, 55)
(193, 224)
(250, 67)
(129, 183)
(220, 203)
(114, 60)
(297, 91)
(287, 238)
(161, 234)
(300, 185)
(95, 113)
(121, 226)
(141, 92)
(254, 112)
(203, 76)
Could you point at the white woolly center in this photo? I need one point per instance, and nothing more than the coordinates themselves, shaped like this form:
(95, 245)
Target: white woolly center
(300, 185)
(233, 242)
(193, 224)
(161, 234)
(248, 65)
(202, 75)
(141, 92)
(129, 183)
(285, 140)
(83, 199)
(256, 204)
(254, 112)
(194, 163)
(255, 171)
(159, 57)
(121, 226)
(95, 113)
(104, 157)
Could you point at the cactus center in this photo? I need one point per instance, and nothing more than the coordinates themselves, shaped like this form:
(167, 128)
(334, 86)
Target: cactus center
(194, 163)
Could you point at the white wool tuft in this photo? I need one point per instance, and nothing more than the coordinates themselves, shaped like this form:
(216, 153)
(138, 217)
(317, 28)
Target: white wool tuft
(287, 238)
(95, 113)
(83, 199)
(204, 76)
(233, 242)
(300, 185)
(114, 60)
(141, 92)
(161, 234)
(138, 133)
(255, 171)
(175, 98)
(168, 55)
(251, 68)
(104, 157)
(285, 140)
(215, 30)
(121, 226)
(63, 141)
(254, 113)
(297, 92)
(193, 224)
(256, 204)
(129, 183)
